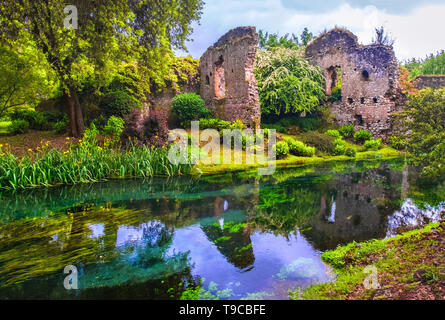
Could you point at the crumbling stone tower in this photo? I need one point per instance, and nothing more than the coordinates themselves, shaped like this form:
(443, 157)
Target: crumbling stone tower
(228, 84)
(369, 79)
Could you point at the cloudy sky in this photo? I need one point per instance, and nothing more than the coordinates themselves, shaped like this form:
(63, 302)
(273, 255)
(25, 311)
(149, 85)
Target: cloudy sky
(417, 25)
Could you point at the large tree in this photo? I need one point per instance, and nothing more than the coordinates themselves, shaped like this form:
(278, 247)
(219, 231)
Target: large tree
(424, 118)
(108, 32)
(287, 82)
(24, 78)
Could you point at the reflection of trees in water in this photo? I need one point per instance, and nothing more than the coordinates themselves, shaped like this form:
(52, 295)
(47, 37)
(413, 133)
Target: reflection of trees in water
(125, 258)
(284, 207)
(42, 201)
(40, 246)
(233, 241)
(141, 255)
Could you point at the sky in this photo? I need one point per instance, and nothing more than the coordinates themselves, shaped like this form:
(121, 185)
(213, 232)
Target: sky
(416, 25)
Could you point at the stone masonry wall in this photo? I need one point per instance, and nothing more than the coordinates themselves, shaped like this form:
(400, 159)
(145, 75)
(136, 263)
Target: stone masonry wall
(369, 80)
(228, 84)
(429, 81)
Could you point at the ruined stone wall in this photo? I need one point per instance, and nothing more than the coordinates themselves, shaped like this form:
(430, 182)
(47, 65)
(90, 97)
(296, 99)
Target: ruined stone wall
(228, 84)
(429, 81)
(369, 80)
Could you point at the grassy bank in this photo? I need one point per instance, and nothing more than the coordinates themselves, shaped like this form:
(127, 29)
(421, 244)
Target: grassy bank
(294, 161)
(409, 266)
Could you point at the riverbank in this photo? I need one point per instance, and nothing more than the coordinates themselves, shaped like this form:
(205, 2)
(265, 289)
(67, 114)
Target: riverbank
(385, 153)
(29, 161)
(410, 266)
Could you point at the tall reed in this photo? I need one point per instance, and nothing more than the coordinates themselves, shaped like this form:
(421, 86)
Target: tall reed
(82, 163)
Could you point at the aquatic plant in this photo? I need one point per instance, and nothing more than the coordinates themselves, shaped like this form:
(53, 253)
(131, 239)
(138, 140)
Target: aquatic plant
(85, 162)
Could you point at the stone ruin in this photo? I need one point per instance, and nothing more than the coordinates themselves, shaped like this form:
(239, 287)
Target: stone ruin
(429, 81)
(228, 84)
(369, 80)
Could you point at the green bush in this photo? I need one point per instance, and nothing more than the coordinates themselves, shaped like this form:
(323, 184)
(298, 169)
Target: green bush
(189, 107)
(237, 125)
(18, 126)
(61, 127)
(36, 120)
(213, 123)
(362, 136)
(114, 127)
(333, 133)
(373, 144)
(347, 131)
(283, 125)
(398, 142)
(321, 142)
(339, 147)
(298, 148)
(350, 153)
(281, 149)
(118, 104)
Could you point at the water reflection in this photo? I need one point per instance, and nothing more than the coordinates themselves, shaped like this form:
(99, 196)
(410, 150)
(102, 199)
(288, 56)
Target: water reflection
(241, 236)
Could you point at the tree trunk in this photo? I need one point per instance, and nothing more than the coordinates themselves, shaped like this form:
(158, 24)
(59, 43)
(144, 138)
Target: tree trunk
(72, 114)
(75, 113)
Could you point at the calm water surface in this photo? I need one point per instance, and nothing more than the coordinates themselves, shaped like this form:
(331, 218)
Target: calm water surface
(238, 235)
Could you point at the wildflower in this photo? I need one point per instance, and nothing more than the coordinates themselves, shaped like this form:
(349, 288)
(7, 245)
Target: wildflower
(29, 150)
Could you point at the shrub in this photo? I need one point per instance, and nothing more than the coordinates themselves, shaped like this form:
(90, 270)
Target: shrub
(321, 142)
(333, 133)
(18, 126)
(373, 144)
(339, 147)
(155, 128)
(283, 124)
(237, 125)
(347, 131)
(114, 127)
(362, 136)
(36, 120)
(119, 104)
(298, 148)
(350, 153)
(281, 149)
(189, 107)
(61, 127)
(398, 142)
(213, 123)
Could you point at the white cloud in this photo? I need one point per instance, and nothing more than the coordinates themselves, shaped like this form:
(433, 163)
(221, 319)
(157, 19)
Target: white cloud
(417, 32)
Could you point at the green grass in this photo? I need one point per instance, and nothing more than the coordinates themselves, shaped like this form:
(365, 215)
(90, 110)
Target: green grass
(395, 258)
(294, 161)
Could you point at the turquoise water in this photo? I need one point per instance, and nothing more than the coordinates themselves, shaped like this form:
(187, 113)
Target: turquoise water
(238, 236)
